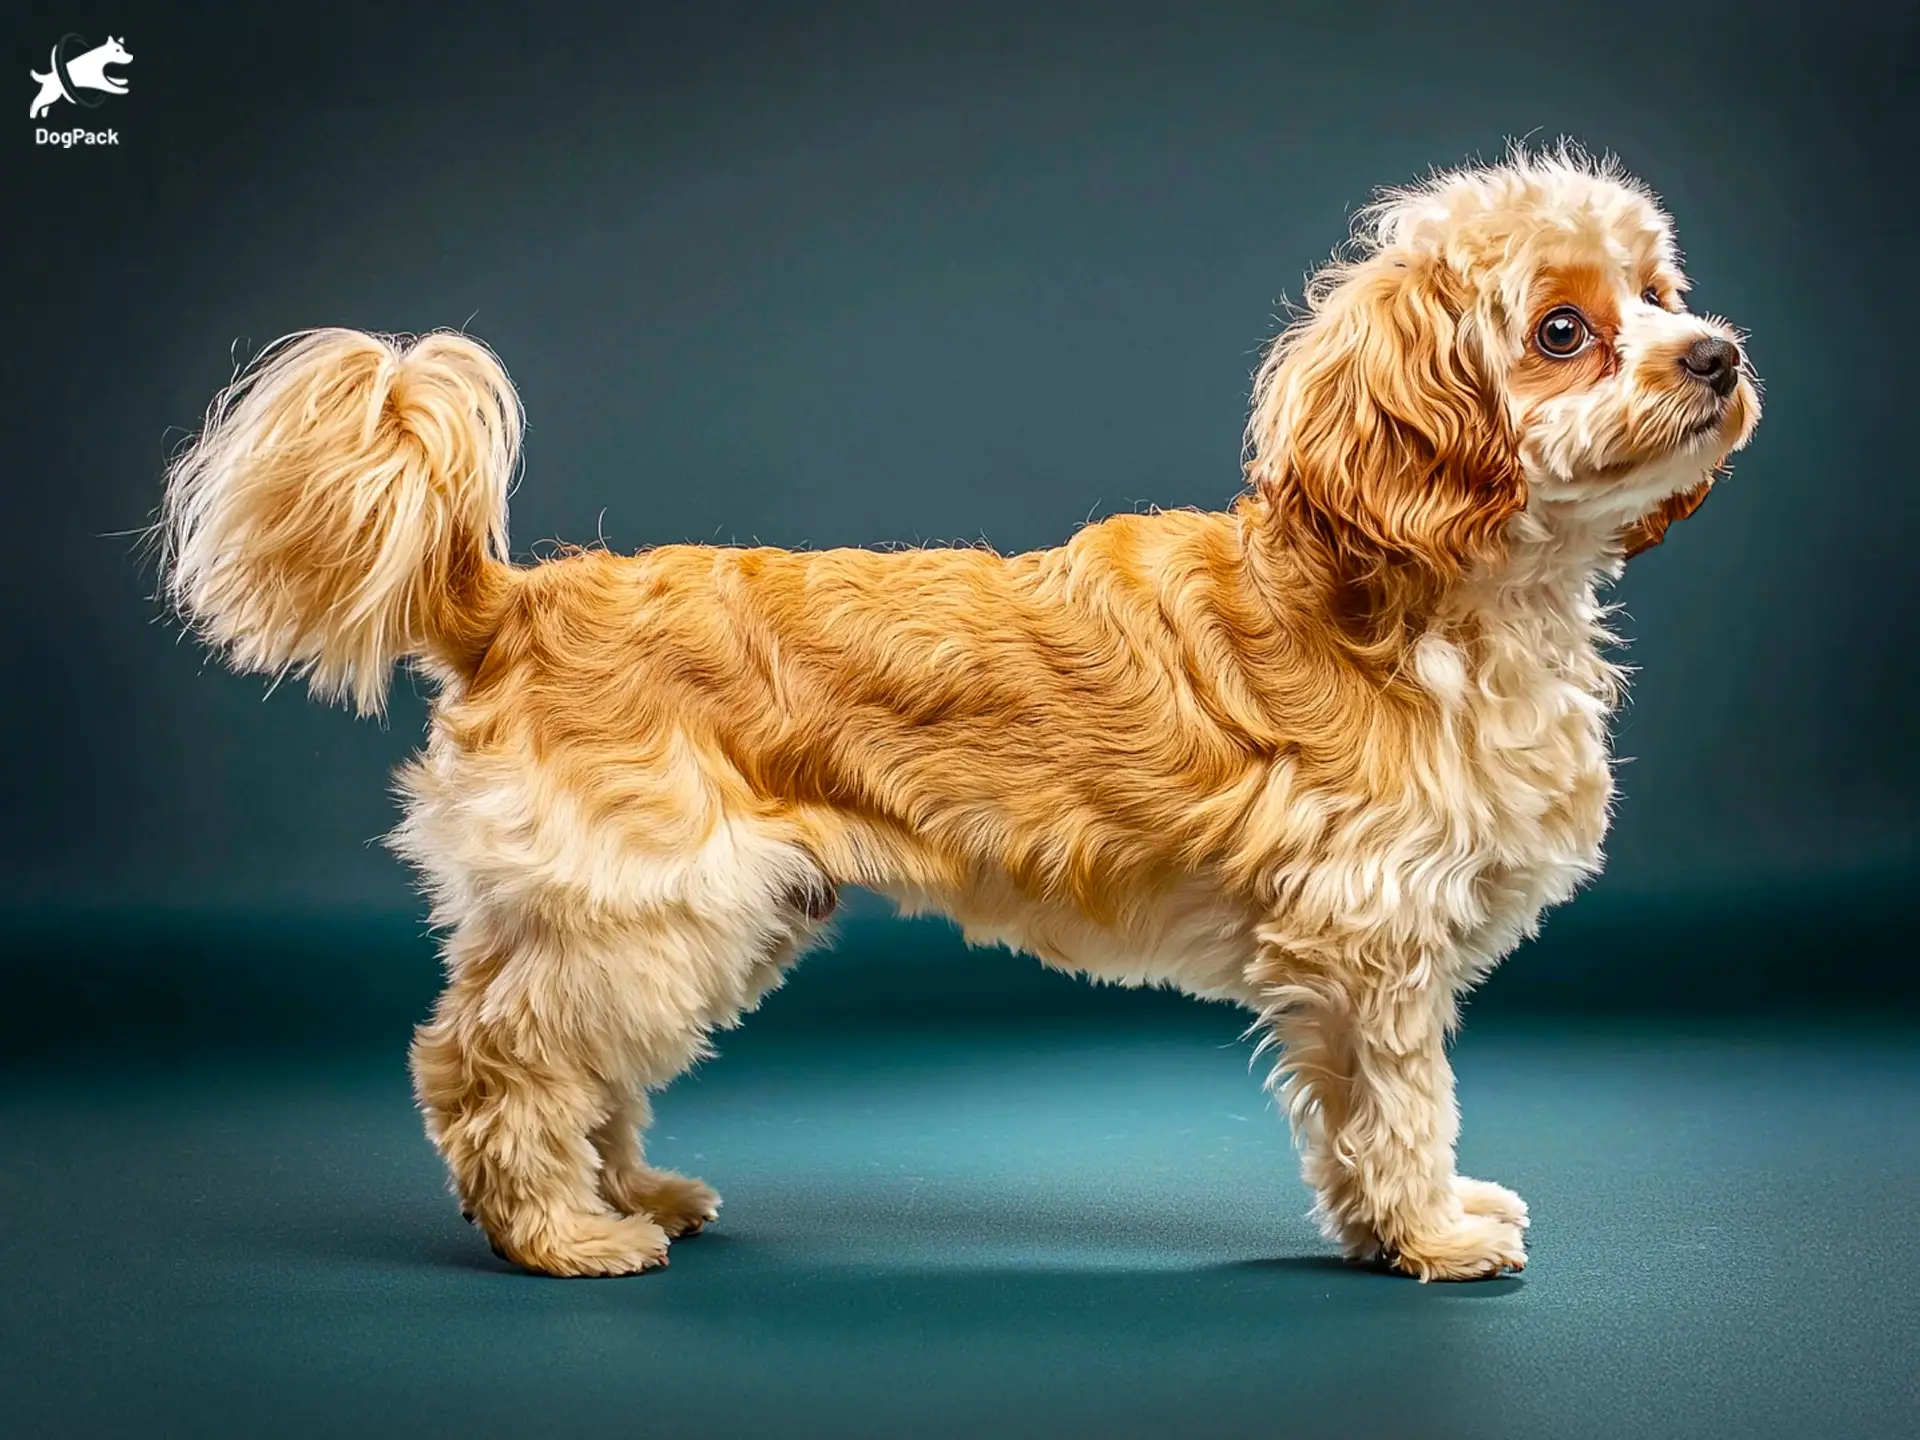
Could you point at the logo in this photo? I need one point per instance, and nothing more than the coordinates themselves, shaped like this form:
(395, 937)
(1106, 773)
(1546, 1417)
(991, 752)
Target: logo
(73, 72)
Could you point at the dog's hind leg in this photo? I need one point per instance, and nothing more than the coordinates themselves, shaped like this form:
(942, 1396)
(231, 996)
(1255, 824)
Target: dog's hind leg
(514, 1075)
(679, 1204)
(533, 1072)
(768, 936)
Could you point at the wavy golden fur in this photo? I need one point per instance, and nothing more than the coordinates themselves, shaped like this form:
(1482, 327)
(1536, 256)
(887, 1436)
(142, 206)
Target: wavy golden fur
(1327, 754)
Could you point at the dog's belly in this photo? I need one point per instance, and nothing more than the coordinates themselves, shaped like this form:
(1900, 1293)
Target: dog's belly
(1195, 937)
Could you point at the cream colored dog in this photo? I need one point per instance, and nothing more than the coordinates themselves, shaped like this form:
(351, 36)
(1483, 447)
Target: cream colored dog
(1329, 753)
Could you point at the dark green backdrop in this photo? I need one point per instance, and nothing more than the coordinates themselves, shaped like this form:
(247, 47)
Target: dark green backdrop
(914, 272)
(902, 274)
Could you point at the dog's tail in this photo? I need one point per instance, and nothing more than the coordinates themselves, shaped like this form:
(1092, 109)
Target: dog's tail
(345, 508)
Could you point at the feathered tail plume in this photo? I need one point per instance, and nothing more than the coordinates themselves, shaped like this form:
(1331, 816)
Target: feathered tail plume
(346, 508)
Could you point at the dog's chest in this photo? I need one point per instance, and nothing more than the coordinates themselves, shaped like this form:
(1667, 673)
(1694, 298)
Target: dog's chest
(1520, 770)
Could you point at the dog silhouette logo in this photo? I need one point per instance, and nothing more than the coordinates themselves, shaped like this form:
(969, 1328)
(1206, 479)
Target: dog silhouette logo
(73, 71)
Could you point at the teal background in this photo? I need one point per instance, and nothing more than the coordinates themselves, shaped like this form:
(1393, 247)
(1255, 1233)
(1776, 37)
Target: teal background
(897, 273)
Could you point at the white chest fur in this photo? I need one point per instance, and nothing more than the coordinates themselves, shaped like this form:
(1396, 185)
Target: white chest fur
(1520, 773)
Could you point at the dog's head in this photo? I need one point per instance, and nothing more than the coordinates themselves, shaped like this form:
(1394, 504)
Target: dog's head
(1502, 339)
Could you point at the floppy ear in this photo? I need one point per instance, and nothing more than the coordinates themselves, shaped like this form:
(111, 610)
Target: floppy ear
(1649, 530)
(1376, 430)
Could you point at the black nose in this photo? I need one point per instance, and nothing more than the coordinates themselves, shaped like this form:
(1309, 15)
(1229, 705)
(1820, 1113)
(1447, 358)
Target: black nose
(1714, 361)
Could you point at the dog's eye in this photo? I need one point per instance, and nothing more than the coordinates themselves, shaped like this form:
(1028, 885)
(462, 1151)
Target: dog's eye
(1652, 297)
(1563, 334)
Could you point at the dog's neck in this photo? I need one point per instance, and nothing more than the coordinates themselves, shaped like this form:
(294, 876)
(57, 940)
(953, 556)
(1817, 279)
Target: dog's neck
(1538, 607)
(1552, 559)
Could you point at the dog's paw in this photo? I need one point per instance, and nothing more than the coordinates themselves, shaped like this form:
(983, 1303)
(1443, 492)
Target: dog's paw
(1483, 1197)
(1467, 1247)
(586, 1245)
(679, 1204)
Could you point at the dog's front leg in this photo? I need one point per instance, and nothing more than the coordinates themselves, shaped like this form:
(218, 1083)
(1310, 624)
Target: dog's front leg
(1365, 1079)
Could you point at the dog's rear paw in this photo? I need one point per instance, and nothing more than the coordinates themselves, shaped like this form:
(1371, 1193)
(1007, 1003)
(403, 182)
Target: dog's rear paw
(1483, 1197)
(1471, 1247)
(585, 1245)
(680, 1204)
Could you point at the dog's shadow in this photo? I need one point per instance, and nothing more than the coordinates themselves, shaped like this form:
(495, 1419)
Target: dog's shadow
(730, 1273)
(1024, 1327)
(1330, 1266)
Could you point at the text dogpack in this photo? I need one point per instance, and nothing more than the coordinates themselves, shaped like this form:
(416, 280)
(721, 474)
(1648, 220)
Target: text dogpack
(67, 139)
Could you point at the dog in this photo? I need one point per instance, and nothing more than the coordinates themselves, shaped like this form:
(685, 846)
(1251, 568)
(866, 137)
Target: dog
(87, 71)
(1328, 753)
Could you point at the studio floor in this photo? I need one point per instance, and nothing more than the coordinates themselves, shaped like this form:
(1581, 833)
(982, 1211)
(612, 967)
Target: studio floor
(1053, 1230)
